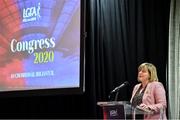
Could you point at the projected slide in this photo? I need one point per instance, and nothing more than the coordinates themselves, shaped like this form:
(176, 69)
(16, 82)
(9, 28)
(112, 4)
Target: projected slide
(39, 44)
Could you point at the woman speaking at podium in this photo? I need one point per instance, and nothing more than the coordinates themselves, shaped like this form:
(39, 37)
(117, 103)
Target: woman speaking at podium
(149, 94)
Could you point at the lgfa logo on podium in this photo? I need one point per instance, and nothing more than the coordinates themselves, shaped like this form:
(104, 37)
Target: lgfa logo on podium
(113, 112)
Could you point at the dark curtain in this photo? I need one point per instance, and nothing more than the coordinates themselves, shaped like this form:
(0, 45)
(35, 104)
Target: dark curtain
(121, 34)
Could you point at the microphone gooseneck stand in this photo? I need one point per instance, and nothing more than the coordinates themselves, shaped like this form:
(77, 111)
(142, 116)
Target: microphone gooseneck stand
(116, 97)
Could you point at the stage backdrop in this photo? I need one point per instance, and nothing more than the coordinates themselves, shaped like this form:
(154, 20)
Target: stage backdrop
(40, 44)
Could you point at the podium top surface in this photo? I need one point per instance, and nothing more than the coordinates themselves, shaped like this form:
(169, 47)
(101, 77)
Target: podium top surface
(127, 107)
(112, 103)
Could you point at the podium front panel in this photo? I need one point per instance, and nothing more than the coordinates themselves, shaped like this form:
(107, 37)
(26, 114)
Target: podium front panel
(121, 110)
(114, 112)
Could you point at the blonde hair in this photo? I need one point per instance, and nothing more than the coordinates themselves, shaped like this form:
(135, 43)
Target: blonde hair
(151, 69)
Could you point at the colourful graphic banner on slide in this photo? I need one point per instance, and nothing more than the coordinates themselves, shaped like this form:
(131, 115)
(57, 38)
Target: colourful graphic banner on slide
(39, 44)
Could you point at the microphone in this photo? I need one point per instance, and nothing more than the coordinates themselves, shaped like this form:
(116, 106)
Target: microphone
(121, 86)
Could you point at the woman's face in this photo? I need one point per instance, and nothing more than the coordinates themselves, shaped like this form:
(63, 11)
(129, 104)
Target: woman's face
(143, 75)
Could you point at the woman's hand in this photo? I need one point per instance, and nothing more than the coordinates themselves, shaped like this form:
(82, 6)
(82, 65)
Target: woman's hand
(144, 106)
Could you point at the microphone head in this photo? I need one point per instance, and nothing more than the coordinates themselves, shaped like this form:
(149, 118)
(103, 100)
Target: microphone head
(119, 87)
(126, 83)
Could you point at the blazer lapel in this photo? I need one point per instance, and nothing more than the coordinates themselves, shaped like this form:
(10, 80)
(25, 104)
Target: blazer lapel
(135, 90)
